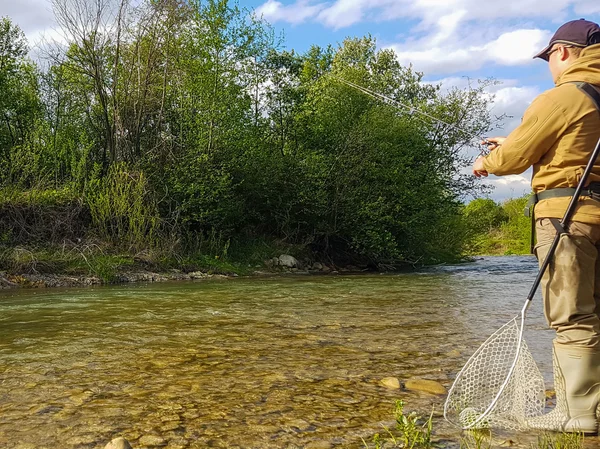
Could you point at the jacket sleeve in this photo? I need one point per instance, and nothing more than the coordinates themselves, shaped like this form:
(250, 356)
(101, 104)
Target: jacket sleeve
(543, 122)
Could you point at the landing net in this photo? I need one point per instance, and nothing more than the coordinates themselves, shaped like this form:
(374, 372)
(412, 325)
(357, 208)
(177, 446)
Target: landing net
(500, 386)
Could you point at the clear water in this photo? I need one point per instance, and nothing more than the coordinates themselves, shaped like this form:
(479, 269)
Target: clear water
(282, 362)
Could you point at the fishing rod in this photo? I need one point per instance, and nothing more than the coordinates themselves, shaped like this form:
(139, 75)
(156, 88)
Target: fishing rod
(412, 109)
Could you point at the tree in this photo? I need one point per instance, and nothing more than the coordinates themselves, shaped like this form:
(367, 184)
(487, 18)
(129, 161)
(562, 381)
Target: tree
(20, 105)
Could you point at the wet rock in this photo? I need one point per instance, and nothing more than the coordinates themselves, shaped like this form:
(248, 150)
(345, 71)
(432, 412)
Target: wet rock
(152, 440)
(317, 266)
(170, 418)
(81, 398)
(172, 425)
(391, 383)
(428, 386)
(118, 443)
(6, 283)
(299, 424)
(81, 440)
(454, 353)
(287, 261)
(319, 445)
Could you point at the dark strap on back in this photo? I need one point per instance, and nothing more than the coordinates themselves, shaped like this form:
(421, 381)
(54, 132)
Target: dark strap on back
(592, 91)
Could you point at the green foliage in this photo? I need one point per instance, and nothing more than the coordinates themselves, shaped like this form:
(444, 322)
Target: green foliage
(497, 228)
(410, 432)
(559, 441)
(476, 439)
(484, 214)
(20, 105)
(517, 228)
(122, 208)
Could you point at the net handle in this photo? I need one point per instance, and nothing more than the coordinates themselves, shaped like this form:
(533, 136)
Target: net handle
(565, 221)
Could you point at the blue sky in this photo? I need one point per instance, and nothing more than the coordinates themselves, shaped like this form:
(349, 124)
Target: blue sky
(448, 40)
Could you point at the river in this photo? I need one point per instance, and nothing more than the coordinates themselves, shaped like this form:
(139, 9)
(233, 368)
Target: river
(280, 362)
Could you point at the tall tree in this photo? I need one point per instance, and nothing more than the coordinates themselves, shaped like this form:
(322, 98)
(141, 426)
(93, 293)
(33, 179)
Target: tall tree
(20, 105)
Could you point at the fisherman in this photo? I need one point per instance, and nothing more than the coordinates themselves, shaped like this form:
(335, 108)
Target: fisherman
(557, 135)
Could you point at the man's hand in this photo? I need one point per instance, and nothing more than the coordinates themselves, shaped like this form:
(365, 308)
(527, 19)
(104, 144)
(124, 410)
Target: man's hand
(478, 168)
(493, 142)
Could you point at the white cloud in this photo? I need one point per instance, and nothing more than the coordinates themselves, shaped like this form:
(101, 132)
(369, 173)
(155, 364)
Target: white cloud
(513, 101)
(461, 54)
(511, 186)
(342, 14)
(34, 17)
(516, 47)
(274, 11)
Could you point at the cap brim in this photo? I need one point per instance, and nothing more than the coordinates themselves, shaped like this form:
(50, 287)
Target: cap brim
(544, 53)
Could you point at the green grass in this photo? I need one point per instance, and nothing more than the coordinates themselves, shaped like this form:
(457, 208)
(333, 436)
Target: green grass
(559, 441)
(411, 431)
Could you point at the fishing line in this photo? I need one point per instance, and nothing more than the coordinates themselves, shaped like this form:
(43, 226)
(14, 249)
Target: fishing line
(412, 109)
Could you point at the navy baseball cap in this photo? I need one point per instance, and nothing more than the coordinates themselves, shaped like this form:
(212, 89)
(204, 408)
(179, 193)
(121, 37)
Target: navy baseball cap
(578, 33)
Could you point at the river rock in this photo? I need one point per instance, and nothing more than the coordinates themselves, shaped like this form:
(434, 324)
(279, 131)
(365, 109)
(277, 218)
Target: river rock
(428, 386)
(317, 266)
(118, 443)
(319, 445)
(151, 440)
(390, 382)
(287, 261)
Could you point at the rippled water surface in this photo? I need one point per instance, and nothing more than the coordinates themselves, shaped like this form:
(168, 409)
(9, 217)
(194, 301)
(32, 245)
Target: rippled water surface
(283, 362)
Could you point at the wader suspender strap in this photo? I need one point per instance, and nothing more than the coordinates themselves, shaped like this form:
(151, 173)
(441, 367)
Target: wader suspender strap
(593, 93)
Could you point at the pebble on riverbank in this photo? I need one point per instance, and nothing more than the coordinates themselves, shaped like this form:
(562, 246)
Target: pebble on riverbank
(118, 443)
(391, 382)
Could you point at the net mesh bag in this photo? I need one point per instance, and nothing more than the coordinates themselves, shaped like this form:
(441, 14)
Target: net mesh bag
(488, 392)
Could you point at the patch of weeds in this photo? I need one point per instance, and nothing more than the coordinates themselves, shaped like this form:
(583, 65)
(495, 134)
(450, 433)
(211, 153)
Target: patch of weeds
(559, 441)
(476, 439)
(411, 431)
(211, 265)
(107, 267)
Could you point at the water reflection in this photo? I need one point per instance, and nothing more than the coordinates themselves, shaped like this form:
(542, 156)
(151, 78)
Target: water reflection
(249, 363)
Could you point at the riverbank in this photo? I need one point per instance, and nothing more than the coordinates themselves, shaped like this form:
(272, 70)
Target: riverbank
(137, 271)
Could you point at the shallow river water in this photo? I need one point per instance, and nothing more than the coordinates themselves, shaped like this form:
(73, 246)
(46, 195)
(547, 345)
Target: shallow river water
(282, 362)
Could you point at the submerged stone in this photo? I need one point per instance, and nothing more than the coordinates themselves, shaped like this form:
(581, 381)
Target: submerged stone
(118, 443)
(390, 382)
(319, 445)
(152, 440)
(428, 386)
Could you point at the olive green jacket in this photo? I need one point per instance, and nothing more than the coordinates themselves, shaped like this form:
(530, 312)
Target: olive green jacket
(557, 136)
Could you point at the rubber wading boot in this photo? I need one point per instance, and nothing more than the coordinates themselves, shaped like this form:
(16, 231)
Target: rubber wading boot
(577, 385)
